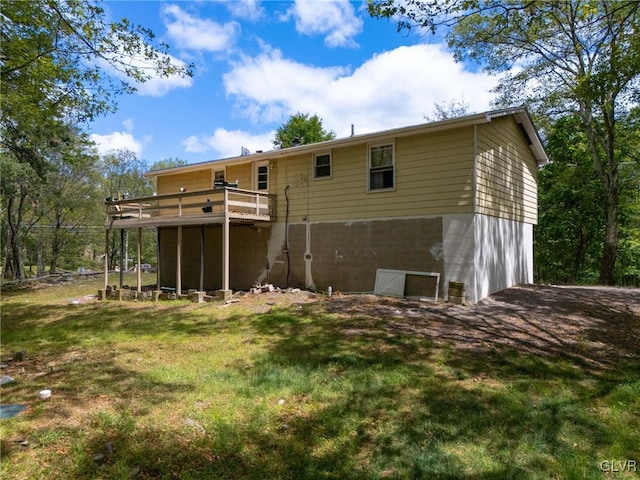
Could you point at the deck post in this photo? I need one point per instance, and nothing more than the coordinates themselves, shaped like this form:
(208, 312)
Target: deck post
(158, 259)
(103, 294)
(139, 278)
(121, 257)
(179, 262)
(225, 293)
(202, 258)
(106, 259)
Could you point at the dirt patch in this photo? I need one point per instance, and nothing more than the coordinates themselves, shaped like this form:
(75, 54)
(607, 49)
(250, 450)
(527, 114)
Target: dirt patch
(596, 326)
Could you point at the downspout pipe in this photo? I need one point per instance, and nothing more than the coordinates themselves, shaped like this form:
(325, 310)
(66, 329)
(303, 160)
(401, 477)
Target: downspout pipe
(286, 237)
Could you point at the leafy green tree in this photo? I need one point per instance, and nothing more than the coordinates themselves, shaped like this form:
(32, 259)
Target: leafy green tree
(123, 176)
(168, 163)
(302, 129)
(629, 151)
(55, 208)
(448, 109)
(60, 63)
(569, 233)
(15, 182)
(70, 200)
(577, 57)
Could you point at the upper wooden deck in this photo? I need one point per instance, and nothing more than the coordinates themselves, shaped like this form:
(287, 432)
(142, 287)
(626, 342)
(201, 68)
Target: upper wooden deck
(203, 207)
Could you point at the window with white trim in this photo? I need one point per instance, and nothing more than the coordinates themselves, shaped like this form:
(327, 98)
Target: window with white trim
(381, 167)
(261, 175)
(322, 165)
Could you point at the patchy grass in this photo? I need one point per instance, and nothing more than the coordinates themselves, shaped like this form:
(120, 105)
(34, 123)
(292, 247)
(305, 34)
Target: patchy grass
(266, 388)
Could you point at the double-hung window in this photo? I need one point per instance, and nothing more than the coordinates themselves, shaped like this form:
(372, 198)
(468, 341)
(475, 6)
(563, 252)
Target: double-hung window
(322, 165)
(381, 167)
(262, 179)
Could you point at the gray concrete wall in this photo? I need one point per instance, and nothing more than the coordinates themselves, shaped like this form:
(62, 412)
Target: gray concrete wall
(503, 254)
(344, 255)
(486, 253)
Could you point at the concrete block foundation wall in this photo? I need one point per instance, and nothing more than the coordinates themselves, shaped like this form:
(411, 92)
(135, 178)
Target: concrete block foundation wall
(485, 253)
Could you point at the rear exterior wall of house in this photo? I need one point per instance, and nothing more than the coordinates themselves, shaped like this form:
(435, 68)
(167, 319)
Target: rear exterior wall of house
(457, 195)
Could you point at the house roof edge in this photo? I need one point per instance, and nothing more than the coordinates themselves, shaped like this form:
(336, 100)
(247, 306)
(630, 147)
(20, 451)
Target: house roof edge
(520, 113)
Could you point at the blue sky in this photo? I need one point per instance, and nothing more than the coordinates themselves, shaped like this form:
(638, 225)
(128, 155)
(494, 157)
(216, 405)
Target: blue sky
(257, 63)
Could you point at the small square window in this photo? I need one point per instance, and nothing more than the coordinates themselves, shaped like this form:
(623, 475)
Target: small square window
(381, 167)
(322, 166)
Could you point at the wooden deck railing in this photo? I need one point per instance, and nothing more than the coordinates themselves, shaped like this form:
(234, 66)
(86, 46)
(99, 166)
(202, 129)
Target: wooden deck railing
(214, 202)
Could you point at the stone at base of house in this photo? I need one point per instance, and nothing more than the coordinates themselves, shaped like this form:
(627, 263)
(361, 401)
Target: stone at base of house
(196, 296)
(102, 294)
(455, 294)
(155, 295)
(123, 294)
(456, 300)
(224, 294)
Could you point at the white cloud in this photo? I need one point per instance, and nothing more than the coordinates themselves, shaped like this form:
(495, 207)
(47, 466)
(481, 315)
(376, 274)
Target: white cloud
(229, 143)
(195, 33)
(246, 9)
(155, 85)
(336, 19)
(269, 86)
(128, 124)
(158, 86)
(392, 89)
(193, 144)
(118, 141)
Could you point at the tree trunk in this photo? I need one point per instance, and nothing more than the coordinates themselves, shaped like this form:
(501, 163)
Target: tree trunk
(603, 143)
(40, 260)
(610, 247)
(14, 253)
(7, 264)
(578, 258)
(56, 242)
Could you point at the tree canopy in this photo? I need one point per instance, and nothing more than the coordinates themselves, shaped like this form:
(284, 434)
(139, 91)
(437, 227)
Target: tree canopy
(61, 63)
(302, 129)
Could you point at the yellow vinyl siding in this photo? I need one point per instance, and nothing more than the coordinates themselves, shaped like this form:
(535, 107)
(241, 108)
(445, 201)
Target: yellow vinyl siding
(241, 173)
(506, 172)
(433, 176)
(192, 181)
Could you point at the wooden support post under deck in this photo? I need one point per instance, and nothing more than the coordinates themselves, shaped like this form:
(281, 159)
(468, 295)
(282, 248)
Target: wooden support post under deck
(106, 259)
(158, 259)
(179, 262)
(139, 279)
(225, 293)
(225, 253)
(202, 258)
(121, 257)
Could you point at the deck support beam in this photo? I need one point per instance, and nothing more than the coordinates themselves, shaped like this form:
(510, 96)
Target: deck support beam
(225, 292)
(106, 258)
(179, 262)
(121, 257)
(102, 294)
(202, 258)
(158, 252)
(139, 261)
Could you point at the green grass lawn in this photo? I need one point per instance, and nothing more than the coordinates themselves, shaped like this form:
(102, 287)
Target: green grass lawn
(206, 391)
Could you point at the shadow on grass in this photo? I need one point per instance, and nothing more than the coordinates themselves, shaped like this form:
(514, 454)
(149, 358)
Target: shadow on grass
(400, 390)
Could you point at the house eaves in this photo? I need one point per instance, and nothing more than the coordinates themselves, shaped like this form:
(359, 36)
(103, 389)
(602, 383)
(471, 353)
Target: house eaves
(521, 115)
